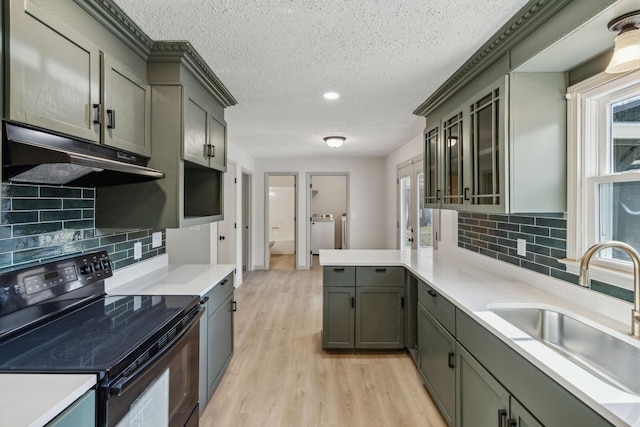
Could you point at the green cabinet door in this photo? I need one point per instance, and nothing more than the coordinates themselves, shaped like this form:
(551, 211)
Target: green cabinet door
(480, 400)
(54, 73)
(219, 343)
(379, 317)
(196, 119)
(127, 111)
(520, 417)
(437, 362)
(338, 328)
(81, 413)
(218, 142)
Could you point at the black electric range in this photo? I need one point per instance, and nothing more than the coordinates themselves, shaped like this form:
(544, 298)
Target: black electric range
(56, 318)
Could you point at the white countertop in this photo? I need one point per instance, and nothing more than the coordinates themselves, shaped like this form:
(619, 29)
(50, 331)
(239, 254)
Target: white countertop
(36, 399)
(474, 289)
(188, 279)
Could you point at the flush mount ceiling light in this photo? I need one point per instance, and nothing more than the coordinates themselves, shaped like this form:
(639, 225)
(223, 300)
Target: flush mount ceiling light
(334, 141)
(331, 95)
(626, 51)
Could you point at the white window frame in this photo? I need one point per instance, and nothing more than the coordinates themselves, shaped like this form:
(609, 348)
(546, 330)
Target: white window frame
(586, 157)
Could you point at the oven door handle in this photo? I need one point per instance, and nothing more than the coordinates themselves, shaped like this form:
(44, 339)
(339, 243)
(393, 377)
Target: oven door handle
(120, 386)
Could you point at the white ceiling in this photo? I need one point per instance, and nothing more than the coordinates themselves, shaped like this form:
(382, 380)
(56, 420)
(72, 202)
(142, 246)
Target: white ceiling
(277, 58)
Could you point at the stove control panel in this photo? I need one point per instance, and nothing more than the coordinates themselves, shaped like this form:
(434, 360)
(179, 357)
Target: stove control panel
(31, 285)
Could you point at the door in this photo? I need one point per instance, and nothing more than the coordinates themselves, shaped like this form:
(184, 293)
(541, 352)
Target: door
(246, 221)
(227, 227)
(338, 327)
(481, 400)
(414, 224)
(127, 111)
(54, 78)
(452, 145)
(196, 118)
(437, 362)
(432, 191)
(379, 317)
(405, 223)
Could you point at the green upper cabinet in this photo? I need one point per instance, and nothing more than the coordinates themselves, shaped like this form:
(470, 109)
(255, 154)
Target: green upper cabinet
(53, 73)
(64, 76)
(127, 112)
(485, 153)
(204, 140)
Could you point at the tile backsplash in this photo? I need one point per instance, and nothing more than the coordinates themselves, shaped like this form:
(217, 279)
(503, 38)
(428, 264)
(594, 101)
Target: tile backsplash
(496, 235)
(43, 223)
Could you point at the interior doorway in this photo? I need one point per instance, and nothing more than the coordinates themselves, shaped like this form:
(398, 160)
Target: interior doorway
(246, 220)
(328, 207)
(227, 227)
(281, 220)
(415, 222)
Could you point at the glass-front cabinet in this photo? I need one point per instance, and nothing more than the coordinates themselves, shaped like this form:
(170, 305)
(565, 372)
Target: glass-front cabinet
(486, 155)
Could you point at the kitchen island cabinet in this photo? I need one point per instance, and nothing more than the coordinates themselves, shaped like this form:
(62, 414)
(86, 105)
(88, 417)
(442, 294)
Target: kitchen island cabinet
(81, 413)
(363, 308)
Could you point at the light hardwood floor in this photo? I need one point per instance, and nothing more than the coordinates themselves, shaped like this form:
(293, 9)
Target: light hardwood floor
(279, 375)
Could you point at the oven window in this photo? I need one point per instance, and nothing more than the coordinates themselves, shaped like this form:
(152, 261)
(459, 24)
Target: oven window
(151, 408)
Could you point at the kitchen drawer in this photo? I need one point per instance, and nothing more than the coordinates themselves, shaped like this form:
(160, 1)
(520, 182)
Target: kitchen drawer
(339, 276)
(438, 306)
(219, 293)
(380, 276)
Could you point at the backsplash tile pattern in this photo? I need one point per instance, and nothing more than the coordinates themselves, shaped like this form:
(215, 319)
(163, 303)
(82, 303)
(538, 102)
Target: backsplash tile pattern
(42, 223)
(495, 235)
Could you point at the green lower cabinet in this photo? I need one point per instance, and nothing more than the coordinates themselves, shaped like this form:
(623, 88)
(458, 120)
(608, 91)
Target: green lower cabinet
(482, 401)
(436, 362)
(81, 413)
(379, 317)
(220, 343)
(338, 317)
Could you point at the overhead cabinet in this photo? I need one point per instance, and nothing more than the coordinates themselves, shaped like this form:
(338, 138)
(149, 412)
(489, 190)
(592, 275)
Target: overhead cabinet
(486, 153)
(189, 146)
(61, 80)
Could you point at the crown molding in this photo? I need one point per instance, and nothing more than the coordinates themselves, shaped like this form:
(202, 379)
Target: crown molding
(116, 21)
(183, 52)
(528, 19)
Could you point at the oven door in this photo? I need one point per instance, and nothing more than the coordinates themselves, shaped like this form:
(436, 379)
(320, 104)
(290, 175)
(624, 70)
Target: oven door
(163, 393)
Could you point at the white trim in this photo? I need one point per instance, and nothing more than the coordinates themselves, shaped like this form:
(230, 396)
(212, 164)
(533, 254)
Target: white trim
(585, 165)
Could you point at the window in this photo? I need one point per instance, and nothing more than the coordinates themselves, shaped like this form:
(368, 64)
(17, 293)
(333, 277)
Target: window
(604, 168)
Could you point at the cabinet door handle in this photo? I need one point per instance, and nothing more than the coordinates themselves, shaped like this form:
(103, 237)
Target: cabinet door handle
(452, 358)
(502, 418)
(466, 193)
(338, 269)
(204, 300)
(97, 114)
(210, 150)
(512, 423)
(401, 302)
(438, 192)
(235, 306)
(224, 282)
(111, 119)
(353, 302)
(381, 270)
(432, 293)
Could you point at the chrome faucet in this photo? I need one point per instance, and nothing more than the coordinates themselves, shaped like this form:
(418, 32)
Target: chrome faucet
(584, 276)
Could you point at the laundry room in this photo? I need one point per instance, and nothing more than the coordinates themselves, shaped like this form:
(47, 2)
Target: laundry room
(329, 224)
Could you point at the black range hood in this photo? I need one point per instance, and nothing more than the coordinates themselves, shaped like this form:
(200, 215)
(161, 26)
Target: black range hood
(38, 156)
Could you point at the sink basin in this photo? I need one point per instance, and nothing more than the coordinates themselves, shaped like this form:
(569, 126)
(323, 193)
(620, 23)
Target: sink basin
(604, 355)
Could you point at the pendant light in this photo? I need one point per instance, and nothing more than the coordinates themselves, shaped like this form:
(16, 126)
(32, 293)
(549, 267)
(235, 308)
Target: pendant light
(334, 141)
(626, 51)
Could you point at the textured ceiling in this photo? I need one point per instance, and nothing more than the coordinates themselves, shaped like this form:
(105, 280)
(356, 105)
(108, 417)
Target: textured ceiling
(277, 58)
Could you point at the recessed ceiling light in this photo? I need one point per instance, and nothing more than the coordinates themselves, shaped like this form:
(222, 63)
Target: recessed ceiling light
(331, 95)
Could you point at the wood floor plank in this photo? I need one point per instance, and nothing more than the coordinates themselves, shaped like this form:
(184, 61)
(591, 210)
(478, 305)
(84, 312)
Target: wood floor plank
(279, 375)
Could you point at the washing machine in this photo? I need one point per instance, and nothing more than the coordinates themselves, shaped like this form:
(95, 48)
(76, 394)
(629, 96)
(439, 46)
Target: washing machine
(323, 232)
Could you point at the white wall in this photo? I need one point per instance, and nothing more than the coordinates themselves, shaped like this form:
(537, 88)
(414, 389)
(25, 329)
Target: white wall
(367, 205)
(406, 152)
(282, 209)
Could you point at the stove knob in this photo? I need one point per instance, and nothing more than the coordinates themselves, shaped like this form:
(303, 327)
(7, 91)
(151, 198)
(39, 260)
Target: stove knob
(86, 269)
(97, 266)
(106, 264)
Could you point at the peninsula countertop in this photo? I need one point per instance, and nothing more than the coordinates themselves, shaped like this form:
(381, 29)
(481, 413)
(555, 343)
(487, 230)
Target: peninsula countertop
(476, 289)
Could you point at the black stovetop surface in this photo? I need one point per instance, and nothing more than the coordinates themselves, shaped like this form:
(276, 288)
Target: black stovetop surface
(101, 337)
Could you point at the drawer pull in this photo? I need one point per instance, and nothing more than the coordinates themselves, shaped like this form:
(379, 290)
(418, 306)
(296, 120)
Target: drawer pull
(452, 356)
(381, 270)
(235, 306)
(224, 282)
(204, 300)
(338, 269)
(432, 293)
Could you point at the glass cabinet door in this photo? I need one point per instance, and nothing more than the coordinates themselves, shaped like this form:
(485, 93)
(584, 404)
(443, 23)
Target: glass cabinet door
(452, 144)
(432, 192)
